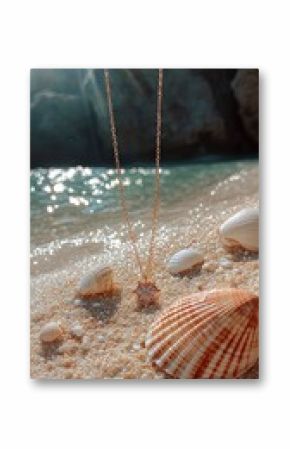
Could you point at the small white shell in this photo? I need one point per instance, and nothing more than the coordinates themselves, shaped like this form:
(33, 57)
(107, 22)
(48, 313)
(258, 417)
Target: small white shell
(185, 260)
(96, 283)
(241, 230)
(50, 332)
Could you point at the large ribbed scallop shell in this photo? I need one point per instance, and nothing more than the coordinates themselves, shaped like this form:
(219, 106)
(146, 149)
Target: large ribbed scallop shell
(206, 335)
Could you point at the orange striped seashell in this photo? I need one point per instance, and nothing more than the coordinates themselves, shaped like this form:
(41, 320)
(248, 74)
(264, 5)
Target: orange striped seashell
(210, 334)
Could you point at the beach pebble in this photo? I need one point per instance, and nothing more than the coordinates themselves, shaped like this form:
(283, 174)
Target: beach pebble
(50, 332)
(67, 348)
(68, 363)
(100, 338)
(97, 305)
(225, 263)
(77, 330)
(86, 343)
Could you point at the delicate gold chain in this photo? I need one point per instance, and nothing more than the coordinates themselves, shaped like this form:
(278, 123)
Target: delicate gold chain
(156, 205)
(146, 273)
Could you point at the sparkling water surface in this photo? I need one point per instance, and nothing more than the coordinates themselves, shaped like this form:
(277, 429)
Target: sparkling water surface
(67, 201)
(76, 216)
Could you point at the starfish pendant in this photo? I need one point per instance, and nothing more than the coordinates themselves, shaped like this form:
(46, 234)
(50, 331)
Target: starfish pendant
(147, 294)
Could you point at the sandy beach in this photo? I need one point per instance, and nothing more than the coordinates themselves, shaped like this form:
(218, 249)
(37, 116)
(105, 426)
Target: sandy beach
(113, 330)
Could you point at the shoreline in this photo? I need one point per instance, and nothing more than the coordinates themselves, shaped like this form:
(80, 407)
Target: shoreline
(113, 330)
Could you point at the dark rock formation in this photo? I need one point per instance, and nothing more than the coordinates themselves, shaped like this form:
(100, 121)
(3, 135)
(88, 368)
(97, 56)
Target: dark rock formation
(203, 114)
(59, 130)
(246, 90)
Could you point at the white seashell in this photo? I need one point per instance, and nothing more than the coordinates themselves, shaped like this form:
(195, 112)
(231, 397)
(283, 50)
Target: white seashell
(50, 332)
(211, 334)
(185, 260)
(96, 283)
(241, 230)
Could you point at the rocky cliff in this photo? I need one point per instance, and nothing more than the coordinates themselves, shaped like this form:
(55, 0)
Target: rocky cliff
(206, 112)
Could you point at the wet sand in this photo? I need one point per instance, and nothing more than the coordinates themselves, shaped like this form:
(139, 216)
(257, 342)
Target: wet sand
(114, 331)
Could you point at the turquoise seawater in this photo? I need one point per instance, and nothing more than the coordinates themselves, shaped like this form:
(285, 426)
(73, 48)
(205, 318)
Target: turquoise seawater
(69, 200)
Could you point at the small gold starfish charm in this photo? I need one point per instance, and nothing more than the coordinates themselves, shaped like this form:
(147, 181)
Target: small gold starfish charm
(147, 294)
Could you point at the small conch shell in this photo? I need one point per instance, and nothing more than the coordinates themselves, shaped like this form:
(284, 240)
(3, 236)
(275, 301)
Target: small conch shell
(97, 283)
(241, 230)
(185, 261)
(206, 335)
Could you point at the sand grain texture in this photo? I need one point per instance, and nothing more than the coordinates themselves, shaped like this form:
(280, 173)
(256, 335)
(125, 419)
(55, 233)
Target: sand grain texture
(113, 330)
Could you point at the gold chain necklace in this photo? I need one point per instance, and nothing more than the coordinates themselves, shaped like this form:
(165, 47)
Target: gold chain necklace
(146, 291)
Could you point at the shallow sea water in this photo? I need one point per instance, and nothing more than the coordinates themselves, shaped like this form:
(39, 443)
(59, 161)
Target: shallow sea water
(71, 207)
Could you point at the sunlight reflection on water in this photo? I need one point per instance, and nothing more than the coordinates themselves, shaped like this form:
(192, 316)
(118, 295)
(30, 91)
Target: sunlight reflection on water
(65, 201)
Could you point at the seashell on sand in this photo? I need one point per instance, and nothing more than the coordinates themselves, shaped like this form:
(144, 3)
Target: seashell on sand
(50, 332)
(241, 230)
(206, 335)
(185, 261)
(96, 284)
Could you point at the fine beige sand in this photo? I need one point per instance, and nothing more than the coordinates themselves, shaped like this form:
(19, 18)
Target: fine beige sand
(114, 331)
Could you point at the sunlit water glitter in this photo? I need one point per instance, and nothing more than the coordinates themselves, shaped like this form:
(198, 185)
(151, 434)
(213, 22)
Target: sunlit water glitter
(71, 217)
(67, 201)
